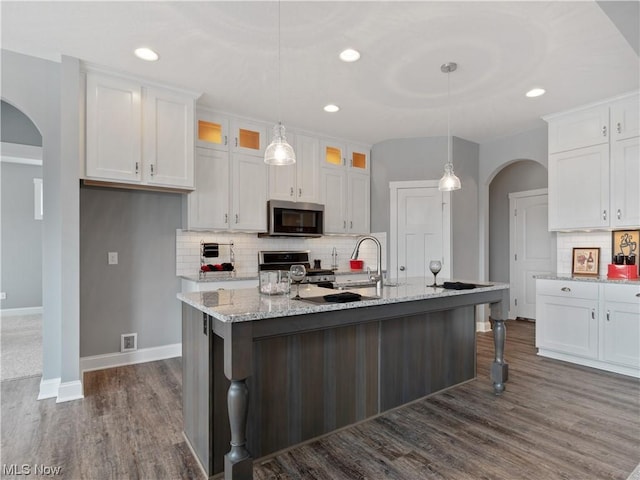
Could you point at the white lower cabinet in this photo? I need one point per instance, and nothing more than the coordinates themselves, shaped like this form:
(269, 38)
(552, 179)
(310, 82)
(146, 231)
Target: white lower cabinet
(589, 323)
(620, 332)
(213, 285)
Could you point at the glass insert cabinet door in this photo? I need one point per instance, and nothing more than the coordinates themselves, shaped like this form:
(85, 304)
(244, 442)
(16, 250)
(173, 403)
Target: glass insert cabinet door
(335, 154)
(221, 133)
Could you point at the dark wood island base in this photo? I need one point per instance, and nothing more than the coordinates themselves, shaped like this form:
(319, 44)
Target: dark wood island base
(267, 384)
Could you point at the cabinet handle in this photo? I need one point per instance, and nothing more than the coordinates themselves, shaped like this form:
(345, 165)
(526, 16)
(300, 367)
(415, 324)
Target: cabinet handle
(565, 289)
(299, 192)
(344, 161)
(226, 141)
(593, 313)
(236, 218)
(619, 214)
(351, 224)
(638, 295)
(152, 169)
(604, 131)
(236, 141)
(402, 268)
(226, 218)
(291, 192)
(618, 127)
(608, 317)
(137, 168)
(604, 214)
(344, 224)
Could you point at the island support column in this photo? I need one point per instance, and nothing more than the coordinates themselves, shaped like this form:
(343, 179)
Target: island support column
(238, 360)
(499, 368)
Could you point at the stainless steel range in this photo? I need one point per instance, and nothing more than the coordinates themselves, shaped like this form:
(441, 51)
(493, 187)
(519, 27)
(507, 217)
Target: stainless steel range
(282, 260)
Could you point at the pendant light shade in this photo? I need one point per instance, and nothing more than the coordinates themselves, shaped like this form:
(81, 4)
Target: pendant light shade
(449, 180)
(279, 152)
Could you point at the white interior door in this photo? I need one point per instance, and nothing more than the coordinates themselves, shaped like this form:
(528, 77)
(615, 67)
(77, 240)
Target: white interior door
(532, 249)
(420, 229)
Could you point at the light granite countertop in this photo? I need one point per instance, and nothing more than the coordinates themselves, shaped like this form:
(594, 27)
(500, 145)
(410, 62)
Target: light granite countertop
(566, 277)
(233, 276)
(248, 304)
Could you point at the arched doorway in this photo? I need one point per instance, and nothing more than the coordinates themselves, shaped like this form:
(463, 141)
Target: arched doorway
(21, 230)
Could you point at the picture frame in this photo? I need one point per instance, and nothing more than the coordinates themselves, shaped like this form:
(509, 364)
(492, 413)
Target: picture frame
(585, 261)
(625, 242)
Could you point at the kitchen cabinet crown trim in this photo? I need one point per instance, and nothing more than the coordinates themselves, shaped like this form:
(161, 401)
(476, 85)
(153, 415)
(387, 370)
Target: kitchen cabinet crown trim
(587, 106)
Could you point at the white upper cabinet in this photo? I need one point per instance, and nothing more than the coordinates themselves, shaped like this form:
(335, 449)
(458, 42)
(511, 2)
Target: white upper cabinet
(168, 152)
(212, 130)
(114, 128)
(594, 166)
(209, 205)
(625, 118)
(579, 129)
(137, 133)
(249, 193)
(249, 137)
(345, 187)
(298, 182)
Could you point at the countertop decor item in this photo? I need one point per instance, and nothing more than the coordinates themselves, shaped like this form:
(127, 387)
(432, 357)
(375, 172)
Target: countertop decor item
(586, 261)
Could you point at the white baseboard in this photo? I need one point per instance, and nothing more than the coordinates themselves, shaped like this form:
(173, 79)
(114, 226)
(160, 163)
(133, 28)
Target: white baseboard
(68, 391)
(110, 360)
(48, 388)
(14, 312)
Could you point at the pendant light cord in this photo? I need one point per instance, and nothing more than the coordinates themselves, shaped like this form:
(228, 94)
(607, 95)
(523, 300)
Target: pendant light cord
(279, 73)
(449, 159)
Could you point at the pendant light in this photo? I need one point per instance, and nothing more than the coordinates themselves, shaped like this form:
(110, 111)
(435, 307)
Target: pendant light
(279, 152)
(449, 181)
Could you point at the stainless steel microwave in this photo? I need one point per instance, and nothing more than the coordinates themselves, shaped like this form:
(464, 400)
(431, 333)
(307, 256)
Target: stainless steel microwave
(294, 219)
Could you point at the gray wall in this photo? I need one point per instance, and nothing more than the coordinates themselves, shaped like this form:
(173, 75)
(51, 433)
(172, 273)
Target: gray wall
(516, 177)
(139, 294)
(33, 86)
(21, 237)
(21, 272)
(15, 127)
(423, 159)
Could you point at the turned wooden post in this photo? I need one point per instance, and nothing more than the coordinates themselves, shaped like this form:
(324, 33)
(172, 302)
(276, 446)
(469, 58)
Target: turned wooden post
(238, 361)
(499, 368)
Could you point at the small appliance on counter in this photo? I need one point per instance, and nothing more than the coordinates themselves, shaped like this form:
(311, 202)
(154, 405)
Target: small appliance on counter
(270, 260)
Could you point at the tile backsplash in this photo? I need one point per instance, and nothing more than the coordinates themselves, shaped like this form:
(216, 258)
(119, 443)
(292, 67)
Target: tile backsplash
(567, 241)
(246, 247)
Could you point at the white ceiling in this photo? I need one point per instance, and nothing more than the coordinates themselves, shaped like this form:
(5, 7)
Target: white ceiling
(228, 52)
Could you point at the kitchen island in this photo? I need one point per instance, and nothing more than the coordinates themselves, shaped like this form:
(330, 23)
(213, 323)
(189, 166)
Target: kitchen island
(263, 373)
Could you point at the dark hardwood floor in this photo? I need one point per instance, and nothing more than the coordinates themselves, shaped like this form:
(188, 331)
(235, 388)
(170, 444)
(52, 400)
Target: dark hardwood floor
(555, 421)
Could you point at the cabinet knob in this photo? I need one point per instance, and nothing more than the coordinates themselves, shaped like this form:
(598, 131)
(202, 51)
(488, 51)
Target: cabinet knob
(604, 214)
(619, 127)
(638, 295)
(402, 270)
(604, 131)
(565, 289)
(619, 214)
(593, 313)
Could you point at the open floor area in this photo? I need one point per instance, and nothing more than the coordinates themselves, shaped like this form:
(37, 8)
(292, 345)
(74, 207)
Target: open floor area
(555, 421)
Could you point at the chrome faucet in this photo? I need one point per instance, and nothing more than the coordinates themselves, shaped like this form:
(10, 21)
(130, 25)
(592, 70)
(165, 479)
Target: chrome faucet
(378, 275)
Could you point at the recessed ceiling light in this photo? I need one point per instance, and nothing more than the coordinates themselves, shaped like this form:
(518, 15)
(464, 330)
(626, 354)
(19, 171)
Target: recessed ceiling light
(331, 108)
(535, 92)
(349, 55)
(146, 54)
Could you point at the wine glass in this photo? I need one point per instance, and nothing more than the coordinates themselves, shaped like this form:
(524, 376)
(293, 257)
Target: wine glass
(297, 274)
(435, 266)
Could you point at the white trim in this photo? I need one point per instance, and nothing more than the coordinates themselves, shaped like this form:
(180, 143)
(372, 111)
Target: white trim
(14, 312)
(68, 391)
(529, 193)
(48, 388)
(587, 362)
(38, 205)
(22, 154)
(110, 360)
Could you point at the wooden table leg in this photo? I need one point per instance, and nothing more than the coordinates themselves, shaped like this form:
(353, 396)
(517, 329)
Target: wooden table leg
(499, 369)
(238, 464)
